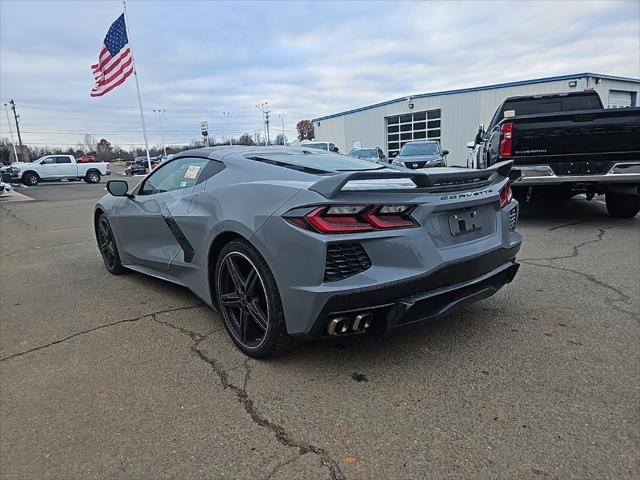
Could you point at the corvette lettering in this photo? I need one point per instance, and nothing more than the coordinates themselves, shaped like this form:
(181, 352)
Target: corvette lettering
(467, 195)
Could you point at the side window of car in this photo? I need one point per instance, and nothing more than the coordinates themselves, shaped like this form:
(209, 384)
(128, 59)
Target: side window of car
(48, 161)
(180, 173)
(63, 160)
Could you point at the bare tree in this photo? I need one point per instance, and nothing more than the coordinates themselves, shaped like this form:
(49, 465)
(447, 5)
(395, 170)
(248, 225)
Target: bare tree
(89, 142)
(281, 139)
(245, 139)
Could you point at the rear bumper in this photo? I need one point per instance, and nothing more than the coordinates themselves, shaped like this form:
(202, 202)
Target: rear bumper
(424, 298)
(531, 175)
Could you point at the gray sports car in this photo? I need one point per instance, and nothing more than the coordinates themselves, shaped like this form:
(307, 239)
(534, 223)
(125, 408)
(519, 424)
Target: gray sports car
(289, 243)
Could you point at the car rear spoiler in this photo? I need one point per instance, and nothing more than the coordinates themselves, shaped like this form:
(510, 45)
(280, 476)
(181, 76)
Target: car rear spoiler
(332, 185)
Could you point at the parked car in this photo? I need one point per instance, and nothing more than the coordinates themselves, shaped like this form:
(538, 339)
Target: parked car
(135, 168)
(302, 244)
(5, 188)
(421, 154)
(566, 144)
(141, 166)
(86, 158)
(328, 146)
(58, 167)
(375, 154)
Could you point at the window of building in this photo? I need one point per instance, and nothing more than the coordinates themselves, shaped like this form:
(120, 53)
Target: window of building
(412, 126)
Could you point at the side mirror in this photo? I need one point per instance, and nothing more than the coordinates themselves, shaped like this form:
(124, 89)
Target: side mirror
(118, 188)
(445, 152)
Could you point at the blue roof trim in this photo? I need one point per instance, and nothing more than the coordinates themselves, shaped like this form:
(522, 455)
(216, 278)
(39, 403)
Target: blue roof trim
(573, 76)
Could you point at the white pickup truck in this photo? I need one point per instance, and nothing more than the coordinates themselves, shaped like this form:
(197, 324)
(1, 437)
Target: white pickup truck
(58, 167)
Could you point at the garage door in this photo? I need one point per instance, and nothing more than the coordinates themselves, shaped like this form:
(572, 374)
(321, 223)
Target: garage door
(411, 126)
(619, 99)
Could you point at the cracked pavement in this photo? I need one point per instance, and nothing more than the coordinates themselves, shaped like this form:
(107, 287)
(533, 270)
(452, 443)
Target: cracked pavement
(130, 377)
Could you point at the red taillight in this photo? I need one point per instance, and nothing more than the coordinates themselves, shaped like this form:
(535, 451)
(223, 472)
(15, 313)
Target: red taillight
(324, 222)
(506, 142)
(506, 195)
(354, 218)
(387, 217)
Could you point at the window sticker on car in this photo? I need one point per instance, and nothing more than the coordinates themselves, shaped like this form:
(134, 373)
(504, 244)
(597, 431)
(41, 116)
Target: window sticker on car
(192, 171)
(183, 184)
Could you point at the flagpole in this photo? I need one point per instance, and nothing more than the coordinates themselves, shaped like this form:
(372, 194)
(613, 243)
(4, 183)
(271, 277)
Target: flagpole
(135, 74)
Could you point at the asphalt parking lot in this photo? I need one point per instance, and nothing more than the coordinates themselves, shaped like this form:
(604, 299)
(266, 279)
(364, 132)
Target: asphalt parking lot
(130, 377)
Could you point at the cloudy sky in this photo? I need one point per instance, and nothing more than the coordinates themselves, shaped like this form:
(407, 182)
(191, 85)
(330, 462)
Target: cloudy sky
(197, 59)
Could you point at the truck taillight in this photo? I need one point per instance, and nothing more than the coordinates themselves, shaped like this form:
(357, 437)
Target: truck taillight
(506, 142)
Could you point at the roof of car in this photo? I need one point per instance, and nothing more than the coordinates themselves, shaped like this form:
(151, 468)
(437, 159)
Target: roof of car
(297, 158)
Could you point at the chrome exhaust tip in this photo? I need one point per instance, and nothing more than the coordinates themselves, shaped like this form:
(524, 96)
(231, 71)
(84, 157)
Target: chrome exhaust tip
(338, 325)
(362, 321)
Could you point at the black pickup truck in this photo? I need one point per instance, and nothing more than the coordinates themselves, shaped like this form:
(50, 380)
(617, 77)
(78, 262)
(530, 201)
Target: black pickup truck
(566, 144)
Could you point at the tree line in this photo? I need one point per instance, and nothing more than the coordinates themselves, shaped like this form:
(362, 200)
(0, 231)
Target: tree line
(105, 151)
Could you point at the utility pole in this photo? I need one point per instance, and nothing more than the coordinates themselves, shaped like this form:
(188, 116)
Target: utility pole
(228, 115)
(16, 116)
(263, 107)
(160, 112)
(282, 116)
(13, 142)
(267, 114)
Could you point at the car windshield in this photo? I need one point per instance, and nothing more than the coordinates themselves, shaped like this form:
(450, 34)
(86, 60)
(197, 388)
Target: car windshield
(363, 152)
(320, 146)
(424, 148)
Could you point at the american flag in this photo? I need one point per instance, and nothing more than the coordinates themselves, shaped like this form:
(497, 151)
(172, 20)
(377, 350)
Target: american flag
(115, 63)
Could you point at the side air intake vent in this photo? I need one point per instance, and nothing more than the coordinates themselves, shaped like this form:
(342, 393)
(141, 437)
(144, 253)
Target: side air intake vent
(345, 260)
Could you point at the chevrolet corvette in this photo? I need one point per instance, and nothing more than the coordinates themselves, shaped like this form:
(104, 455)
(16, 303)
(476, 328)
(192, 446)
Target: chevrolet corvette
(290, 243)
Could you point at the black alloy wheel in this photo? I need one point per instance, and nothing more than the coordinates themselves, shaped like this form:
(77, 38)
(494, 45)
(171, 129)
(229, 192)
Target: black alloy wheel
(107, 246)
(242, 297)
(30, 179)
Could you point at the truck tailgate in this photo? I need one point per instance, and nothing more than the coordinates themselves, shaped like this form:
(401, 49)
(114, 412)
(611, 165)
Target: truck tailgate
(562, 140)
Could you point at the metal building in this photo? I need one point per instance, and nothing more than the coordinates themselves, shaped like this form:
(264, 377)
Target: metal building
(453, 116)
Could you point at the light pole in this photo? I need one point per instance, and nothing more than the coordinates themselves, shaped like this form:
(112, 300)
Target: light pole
(228, 115)
(160, 112)
(13, 142)
(263, 107)
(282, 116)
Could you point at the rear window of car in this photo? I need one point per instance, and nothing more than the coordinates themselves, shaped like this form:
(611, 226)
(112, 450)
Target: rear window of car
(316, 162)
(532, 106)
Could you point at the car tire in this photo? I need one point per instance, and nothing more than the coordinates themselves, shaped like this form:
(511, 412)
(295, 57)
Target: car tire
(107, 246)
(92, 177)
(249, 301)
(622, 206)
(30, 179)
